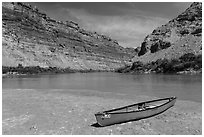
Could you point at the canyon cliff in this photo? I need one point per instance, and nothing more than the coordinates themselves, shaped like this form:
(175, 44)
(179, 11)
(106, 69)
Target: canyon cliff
(31, 38)
(173, 47)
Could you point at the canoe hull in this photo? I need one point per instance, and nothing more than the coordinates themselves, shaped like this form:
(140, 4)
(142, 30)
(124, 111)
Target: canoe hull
(115, 118)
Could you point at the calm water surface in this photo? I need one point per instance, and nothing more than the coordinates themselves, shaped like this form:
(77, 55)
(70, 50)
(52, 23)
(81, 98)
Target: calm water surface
(185, 87)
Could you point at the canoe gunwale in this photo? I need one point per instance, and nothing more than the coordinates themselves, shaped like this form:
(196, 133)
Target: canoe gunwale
(110, 111)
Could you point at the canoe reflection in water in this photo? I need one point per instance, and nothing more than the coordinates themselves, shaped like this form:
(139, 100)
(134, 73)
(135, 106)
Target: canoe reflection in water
(134, 112)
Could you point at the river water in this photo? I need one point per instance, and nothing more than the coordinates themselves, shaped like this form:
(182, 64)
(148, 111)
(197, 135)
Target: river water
(185, 87)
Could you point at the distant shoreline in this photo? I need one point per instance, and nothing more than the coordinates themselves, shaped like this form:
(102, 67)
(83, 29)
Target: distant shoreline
(33, 70)
(8, 71)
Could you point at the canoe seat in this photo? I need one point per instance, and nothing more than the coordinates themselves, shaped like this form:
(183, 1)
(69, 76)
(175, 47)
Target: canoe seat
(141, 106)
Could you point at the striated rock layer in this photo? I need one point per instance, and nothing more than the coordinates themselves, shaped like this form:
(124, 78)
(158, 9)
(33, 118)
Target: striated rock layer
(180, 36)
(31, 38)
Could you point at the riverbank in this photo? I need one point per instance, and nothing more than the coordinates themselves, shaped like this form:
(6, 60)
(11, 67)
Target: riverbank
(8, 71)
(29, 111)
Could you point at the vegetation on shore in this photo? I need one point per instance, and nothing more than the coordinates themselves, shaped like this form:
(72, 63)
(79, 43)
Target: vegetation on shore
(19, 70)
(32, 70)
(186, 63)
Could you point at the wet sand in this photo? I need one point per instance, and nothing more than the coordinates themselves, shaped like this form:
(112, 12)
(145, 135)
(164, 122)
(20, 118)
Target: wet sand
(29, 111)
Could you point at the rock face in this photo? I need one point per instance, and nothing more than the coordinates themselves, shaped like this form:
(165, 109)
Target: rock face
(179, 36)
(31, 38)
(175, 47)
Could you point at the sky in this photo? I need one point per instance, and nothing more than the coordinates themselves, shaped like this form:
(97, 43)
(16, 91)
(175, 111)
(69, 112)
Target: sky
(127, 22)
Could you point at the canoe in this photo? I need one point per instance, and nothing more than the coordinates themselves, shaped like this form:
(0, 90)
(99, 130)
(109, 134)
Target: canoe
(134, 112)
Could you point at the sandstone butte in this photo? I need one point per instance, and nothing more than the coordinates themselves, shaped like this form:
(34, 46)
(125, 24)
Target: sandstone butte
(31, 38)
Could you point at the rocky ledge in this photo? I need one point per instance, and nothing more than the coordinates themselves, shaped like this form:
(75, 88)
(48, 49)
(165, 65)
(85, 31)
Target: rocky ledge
(31, 38)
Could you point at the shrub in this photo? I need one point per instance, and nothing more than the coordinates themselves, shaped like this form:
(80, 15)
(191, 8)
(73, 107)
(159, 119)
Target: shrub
(187, 57)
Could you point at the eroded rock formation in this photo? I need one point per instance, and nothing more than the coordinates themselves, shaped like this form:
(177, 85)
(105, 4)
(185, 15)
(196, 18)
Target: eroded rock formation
(179, 36)
(173, 47)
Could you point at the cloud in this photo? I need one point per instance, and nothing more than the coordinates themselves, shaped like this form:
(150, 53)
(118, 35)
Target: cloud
(127, 22)
(129, 30)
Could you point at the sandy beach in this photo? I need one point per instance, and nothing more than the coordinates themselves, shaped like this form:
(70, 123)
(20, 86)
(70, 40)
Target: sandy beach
(63, 112)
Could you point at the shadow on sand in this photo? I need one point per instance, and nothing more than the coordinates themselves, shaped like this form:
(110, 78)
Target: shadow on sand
(96, 125)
